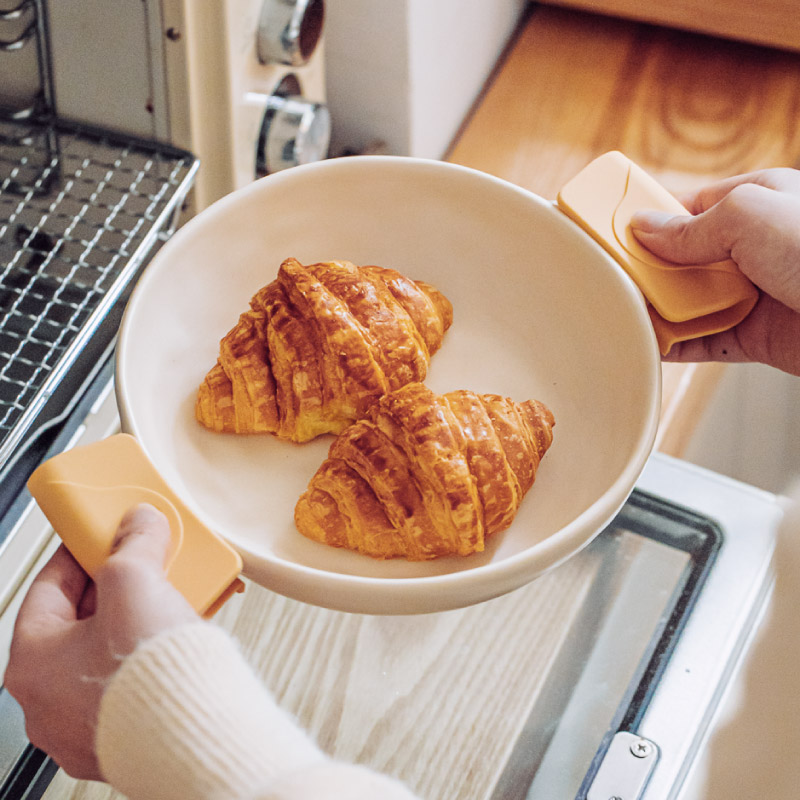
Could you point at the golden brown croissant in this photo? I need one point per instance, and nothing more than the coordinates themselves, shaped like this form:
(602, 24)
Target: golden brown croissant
(318, 346)
(426, 475)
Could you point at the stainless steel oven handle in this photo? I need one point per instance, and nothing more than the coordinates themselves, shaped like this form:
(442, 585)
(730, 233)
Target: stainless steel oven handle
(12, 735)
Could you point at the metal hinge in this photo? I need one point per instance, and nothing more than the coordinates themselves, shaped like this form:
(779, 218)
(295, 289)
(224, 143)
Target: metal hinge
(625, 769)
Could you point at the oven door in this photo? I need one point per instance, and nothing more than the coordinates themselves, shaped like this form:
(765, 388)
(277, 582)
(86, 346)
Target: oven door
(636, 688)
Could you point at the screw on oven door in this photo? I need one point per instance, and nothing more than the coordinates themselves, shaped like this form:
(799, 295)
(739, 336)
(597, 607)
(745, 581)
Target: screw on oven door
(289, 30)
(642, 748)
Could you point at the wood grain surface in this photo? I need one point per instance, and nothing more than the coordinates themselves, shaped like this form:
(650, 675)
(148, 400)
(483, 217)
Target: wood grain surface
(439, 700)
(686, 107)
(768, 22)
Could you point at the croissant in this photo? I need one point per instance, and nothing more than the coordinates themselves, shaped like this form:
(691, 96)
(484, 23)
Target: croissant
(318, 346)
(426, 475)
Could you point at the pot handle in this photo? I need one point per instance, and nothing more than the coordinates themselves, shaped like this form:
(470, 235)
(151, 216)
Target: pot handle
(684, 302)
(84, 493)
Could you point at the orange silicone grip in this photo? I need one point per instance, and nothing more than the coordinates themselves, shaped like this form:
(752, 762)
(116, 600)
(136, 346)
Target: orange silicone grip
(84, 493)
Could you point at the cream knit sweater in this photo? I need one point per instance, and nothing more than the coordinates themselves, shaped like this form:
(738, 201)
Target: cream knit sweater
(185, 718)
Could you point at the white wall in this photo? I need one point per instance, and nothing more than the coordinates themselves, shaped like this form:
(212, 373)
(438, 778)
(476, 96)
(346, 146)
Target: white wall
(751, 429)
(406, 72)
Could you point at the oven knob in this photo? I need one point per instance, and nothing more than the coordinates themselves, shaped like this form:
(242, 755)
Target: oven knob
(293, 131)
(289, 30)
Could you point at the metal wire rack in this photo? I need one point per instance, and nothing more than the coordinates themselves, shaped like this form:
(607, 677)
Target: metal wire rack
(80, 211)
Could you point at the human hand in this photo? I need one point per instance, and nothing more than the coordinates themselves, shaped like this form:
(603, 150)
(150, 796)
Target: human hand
(753, 219)
(71, 636)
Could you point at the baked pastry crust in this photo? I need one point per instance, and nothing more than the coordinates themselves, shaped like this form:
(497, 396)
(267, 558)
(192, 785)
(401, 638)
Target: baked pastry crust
(426, 475)
(318, 346)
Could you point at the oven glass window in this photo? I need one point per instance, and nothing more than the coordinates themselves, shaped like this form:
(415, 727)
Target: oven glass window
(651, 564)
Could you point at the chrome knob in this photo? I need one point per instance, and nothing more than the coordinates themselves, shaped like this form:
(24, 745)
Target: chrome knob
(293, 131)
(289, 30)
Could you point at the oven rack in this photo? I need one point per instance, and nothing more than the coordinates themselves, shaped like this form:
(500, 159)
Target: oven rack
(81, 210)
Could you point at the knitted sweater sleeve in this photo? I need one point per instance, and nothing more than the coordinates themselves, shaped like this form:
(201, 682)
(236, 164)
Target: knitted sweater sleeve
(185, 718)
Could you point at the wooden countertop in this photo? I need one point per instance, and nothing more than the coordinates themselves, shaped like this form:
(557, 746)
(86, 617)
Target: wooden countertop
(439, 700)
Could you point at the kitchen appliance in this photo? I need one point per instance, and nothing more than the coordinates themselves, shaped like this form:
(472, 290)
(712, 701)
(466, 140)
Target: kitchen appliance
(684, 569)
(81, 211)
(240, 83)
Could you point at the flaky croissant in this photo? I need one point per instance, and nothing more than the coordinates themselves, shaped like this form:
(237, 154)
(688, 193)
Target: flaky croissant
(426, 475)
(318, 346)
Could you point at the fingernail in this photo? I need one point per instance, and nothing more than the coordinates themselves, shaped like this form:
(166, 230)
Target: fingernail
(650, 221)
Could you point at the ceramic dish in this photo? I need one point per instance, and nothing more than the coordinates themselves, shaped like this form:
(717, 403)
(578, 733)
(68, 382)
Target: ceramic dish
(540, 311)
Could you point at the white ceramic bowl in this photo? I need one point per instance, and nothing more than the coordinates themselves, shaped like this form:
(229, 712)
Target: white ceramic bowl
(540, 311)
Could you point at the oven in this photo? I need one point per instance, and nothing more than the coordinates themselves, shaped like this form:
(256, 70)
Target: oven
(682, 575)
(239, 83)
(81, 212)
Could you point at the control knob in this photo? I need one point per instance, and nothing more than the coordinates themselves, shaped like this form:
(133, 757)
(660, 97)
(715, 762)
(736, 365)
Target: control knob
(294, 131)
(289, 30)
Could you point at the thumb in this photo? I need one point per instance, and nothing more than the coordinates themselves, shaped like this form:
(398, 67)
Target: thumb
(134, 598)
(739, 225)
(140, 546)
(683, 239)
(143, 535)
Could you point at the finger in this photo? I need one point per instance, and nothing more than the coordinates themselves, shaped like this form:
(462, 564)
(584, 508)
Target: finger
(711, 235)
(143, 534)
(56, 592)
(779, 179)
(132, 584)
(88, 603)
(683, 239)
(135, 600)
(768, 335)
